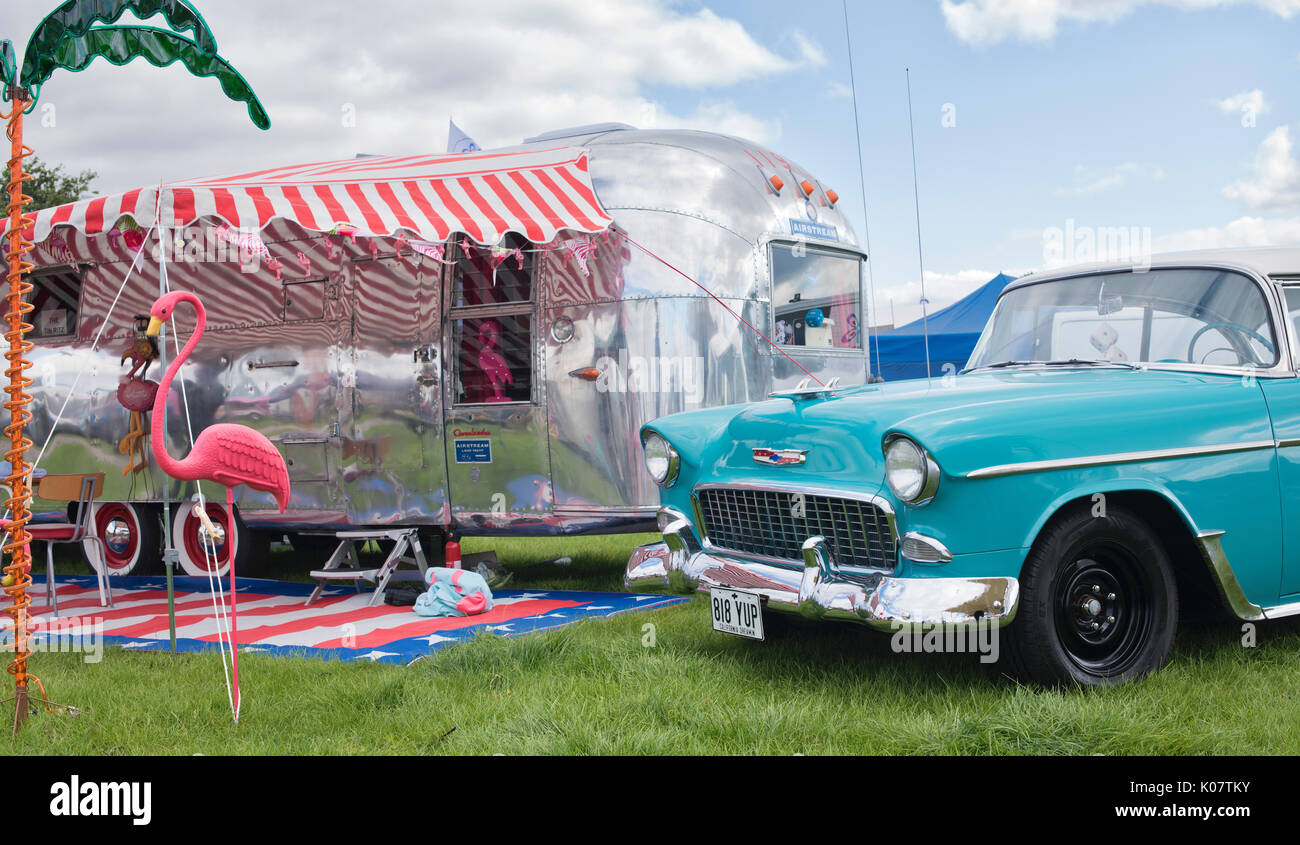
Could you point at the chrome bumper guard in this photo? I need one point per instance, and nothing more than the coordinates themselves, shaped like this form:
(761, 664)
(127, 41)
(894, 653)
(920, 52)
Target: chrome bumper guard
(819, 590)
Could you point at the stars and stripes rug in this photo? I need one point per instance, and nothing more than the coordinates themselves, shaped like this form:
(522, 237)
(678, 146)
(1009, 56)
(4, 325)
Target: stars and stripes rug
(340, 625)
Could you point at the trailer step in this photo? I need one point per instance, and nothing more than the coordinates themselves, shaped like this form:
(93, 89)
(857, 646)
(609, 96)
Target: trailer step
(345, 563)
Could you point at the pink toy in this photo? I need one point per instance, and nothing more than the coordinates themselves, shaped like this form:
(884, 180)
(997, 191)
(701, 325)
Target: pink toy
(491, 362)
(226, 453)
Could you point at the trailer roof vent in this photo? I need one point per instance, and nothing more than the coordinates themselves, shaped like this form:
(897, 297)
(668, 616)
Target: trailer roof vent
(575, 131)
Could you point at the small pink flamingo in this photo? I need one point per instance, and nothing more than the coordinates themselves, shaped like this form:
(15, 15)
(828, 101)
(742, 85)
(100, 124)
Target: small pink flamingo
(491, 362)
(226, 453)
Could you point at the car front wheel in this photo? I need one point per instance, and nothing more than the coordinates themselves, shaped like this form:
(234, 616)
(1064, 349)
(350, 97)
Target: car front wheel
(1098, 602)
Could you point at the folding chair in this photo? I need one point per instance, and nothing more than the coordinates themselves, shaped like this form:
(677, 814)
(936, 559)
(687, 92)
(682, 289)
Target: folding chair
(82, 489)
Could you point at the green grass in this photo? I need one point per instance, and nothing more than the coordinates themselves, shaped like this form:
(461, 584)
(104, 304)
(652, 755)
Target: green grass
(596, 688)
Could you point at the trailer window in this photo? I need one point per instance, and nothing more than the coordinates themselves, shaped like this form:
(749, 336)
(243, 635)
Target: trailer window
(494, 359)
(816, 297)
(492, 321)
(54, 299)
(487, 275)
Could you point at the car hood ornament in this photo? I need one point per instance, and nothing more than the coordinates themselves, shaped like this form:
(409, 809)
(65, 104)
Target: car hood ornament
(780, 457)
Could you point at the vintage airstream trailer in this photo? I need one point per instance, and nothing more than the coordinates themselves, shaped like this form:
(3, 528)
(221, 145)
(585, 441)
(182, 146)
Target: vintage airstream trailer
(480, 374)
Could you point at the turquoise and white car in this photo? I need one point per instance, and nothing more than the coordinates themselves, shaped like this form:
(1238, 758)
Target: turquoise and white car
(1123, 445)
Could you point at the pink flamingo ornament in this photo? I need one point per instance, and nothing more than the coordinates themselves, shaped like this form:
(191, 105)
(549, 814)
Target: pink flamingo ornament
(491, 362)
(226, 453)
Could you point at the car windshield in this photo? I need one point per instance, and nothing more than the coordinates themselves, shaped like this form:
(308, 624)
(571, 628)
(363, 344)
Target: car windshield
(1200, 317)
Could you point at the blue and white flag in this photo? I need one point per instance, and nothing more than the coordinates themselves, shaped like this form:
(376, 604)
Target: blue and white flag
(458, 141)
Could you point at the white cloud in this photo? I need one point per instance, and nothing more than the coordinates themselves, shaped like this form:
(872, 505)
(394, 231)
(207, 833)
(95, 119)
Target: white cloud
(504, 69)
(838, 91)
(1276, 180)
(1244, 102)
(991, 21)
(1088, 181)
(1244, 231)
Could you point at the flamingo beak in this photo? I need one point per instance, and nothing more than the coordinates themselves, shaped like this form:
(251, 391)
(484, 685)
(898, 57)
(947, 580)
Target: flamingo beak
(155, 326)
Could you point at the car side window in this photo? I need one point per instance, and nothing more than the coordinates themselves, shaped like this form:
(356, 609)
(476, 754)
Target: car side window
(1292, 296)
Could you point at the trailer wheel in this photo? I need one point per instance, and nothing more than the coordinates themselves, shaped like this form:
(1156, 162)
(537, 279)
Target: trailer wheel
(130, 532)
(194, 560)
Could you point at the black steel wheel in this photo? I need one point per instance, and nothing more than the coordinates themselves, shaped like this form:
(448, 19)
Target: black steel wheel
(1098, 602)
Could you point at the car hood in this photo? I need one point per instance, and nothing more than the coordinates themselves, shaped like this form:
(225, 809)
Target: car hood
(977, 420)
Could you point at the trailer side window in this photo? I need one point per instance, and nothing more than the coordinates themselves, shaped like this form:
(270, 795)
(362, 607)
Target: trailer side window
(492, 321)
(487, 275)
(817, 297)
(54, 299)
(494, 359)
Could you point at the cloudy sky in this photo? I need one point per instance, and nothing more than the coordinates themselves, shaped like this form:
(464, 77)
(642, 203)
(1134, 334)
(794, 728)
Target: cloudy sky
(1176, 118)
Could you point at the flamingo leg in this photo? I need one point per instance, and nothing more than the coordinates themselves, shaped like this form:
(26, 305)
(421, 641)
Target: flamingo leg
(234, 596)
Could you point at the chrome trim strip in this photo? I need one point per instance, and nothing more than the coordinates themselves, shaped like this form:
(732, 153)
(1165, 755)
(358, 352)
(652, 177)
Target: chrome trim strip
(590, 510)
(1118, 458)
(1282, 610)
(1226, 580)
(795, 487)
(1287, 442)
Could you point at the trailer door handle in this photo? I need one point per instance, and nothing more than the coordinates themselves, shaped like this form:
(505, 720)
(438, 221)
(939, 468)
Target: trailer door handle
(267, 365)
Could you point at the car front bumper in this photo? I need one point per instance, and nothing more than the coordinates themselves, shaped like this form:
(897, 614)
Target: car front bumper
(819, 590)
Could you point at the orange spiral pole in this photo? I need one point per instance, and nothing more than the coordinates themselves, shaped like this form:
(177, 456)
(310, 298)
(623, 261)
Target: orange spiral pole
(17, 327)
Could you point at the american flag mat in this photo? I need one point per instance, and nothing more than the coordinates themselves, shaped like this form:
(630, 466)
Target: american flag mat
(273, 620)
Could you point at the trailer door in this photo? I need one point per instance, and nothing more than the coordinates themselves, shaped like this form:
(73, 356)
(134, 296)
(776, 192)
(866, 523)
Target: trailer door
(394, 466)
(498, 465)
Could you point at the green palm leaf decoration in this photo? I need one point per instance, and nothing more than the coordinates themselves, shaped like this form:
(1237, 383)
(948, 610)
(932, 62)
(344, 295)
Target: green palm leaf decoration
(121, 44)
(75, 18)
(8, 67)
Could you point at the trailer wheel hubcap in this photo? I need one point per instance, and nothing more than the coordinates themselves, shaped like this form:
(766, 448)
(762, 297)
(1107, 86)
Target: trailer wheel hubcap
(201, 551)
(116, 525)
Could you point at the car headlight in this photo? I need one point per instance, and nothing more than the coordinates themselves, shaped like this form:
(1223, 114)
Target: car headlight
(661, 459)
(911, 473)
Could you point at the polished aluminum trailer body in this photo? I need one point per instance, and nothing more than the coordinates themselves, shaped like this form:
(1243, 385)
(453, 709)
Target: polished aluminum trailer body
(348, 361)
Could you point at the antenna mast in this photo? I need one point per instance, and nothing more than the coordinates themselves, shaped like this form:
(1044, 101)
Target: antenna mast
(916, 195)
(862, 186)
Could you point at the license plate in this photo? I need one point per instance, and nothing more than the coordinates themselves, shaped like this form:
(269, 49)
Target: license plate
(737, 612)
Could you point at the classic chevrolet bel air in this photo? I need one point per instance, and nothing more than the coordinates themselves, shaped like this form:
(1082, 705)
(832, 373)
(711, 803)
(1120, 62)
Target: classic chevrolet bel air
(1123, 445)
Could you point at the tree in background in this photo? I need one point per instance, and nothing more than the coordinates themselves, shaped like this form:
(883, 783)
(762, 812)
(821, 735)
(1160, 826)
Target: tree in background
(51, 185)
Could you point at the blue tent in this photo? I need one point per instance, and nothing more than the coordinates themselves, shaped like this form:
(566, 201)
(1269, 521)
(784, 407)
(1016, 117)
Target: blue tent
(953, 332)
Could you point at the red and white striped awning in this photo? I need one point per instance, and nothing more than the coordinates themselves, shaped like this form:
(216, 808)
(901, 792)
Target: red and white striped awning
(481, 194)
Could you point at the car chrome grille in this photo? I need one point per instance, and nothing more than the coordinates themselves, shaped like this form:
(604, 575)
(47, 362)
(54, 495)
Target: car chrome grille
(771, 523)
